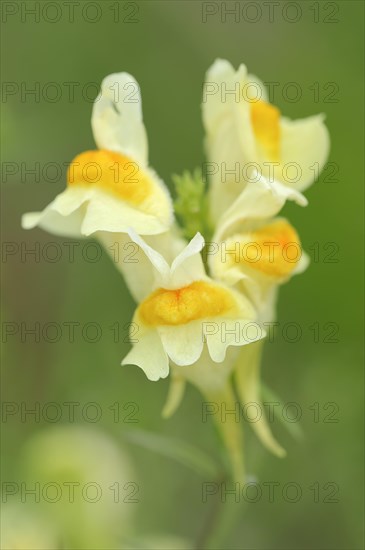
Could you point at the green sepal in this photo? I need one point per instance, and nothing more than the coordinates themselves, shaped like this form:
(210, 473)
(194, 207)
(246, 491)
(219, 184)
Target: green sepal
(191, 203)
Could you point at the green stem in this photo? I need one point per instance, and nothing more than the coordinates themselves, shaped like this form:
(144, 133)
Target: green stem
(212, 520)
(220, 522)
(223, 515)
(230, 429)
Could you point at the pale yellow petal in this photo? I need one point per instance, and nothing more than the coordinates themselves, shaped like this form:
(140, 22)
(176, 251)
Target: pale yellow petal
(183, 343)
(133, 263)
(117, 121)
(221, 333)
(63, 216)
(149, 355)
(306, 143)
(106, 212)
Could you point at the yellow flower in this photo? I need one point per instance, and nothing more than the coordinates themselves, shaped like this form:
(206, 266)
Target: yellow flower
(246, 133)
(194, 326)
(186, 312)
(111, 188)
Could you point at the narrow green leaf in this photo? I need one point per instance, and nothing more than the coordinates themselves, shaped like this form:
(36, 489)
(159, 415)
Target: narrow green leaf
(177, 450)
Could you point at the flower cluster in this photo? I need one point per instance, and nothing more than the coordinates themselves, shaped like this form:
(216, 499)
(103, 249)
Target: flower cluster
(201, 311)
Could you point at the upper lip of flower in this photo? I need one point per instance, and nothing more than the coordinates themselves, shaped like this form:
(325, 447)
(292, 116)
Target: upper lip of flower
(260, 199)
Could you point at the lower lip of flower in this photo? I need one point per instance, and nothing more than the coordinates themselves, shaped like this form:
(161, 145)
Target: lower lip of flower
(198, 300)
(274, 249)
(111, 172)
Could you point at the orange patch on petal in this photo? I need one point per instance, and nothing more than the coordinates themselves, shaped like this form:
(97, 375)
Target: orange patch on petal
(274, 249)
(112, 172)
(198, 300)
(265, 120)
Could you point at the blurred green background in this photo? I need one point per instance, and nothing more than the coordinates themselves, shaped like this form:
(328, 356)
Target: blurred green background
(168, 49)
